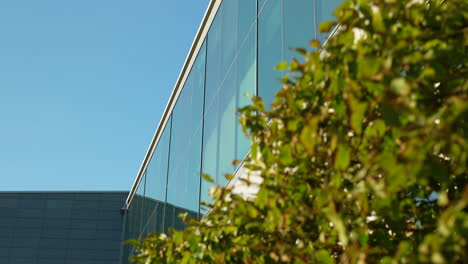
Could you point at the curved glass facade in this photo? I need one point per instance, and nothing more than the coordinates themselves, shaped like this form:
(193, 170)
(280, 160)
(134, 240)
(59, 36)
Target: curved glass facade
(244, 42)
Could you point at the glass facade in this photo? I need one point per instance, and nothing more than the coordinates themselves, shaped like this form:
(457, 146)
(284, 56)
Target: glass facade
(243, 43)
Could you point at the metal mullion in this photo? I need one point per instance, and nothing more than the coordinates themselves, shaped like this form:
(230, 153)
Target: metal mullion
(202, 130)
(167, 173)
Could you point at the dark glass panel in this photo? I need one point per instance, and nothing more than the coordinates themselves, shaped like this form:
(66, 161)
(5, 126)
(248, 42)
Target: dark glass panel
(138, 200)
(168, 217)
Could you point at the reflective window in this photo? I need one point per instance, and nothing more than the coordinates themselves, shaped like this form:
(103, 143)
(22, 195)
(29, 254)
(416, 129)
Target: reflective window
(225, 87)
(210, 148)
(185, 158)
(299, 27)
(228, 34)
(246, 85)
(227, 126)
(224, 71)
(213, 60)
(138, 200)
(261, 4)
(246, 19)
(270, 49)
(156, 177)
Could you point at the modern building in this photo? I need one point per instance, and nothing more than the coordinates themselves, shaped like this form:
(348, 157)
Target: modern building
(234, 53)
(61, 227)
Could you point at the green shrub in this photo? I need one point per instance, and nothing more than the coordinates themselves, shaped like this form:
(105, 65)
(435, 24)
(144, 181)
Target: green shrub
(363, 153)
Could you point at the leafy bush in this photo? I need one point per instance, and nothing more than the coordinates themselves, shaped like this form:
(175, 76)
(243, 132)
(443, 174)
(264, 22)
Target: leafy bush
(363, 153)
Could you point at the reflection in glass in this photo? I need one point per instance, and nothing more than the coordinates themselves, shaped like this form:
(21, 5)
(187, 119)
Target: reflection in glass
(299, 26)
(213, 60)
(210, 149)
(224, 71)
(185, 149)
(227, 126)
(246, 85)
(270, 49)
(246, 19)
(156, 177)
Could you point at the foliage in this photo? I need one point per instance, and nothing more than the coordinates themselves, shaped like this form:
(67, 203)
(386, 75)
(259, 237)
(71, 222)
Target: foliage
(363, 153)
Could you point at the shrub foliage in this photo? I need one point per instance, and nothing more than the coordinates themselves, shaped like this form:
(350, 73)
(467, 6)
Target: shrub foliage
(363, 153)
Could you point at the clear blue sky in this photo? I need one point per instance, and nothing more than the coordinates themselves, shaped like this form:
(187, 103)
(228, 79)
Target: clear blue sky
(83, 85)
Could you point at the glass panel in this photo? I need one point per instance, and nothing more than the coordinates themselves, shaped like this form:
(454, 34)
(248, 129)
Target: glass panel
(157, 168)
(246, 81)
(269, 50)
(185, 158)
(213, 60)
(324, 12)
(299, 26)
(210, 149)
(178, 222)
(156, 177)
(147, 209)
(228, 35)
(261, 4)
(168, 217)
(246, 18)
(222, 47)
(158, 218)
(129, 220)
(138, 199)
(227, 126)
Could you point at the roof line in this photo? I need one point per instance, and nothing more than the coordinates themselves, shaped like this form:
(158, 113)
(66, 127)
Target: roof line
(189, 61)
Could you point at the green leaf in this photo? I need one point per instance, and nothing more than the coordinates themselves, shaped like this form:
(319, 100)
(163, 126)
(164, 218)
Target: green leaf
(358, 110)
(229, 176)
(207, 178)
(369, 67)
(323, 257)
(309, 135)
(326, 26)
(400, 86)
(314, 43)
(343, 157)
(301, 51)
(293, 125)
(178, 237)
(377, 20)
(282, 66)
(285, 154)
(133, 242)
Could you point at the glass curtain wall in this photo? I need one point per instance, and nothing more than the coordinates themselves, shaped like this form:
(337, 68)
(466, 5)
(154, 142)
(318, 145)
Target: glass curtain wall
(282, 26)
(245, 41)
(230, 75)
